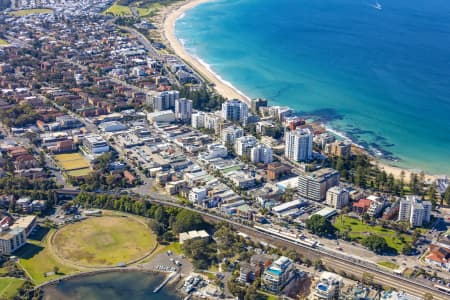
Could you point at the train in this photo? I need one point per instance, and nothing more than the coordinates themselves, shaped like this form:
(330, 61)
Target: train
(288, 236)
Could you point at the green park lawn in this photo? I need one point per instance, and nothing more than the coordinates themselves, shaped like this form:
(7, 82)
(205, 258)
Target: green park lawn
(118, 10)
(388, 264)
(104, 241)
(26, 12)
(37, 260)
(359, 230)
(9, 287)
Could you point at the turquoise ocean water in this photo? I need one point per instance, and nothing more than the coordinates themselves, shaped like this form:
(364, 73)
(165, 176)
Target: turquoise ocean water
(382, 77)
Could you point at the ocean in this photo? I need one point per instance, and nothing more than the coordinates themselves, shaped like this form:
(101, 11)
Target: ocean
(115, 285)
(379, 76)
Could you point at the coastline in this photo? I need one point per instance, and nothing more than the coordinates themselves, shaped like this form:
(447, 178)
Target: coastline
(223, 88)
(228, 91)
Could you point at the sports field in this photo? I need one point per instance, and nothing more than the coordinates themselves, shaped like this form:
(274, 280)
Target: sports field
(118, 10)
(9, 287)
(26, 12)
(72, 162)
(103, 241)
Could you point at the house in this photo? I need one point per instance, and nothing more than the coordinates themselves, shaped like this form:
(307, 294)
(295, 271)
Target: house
(439, 256)
(26, 161)
(361, 206)
(129, 177)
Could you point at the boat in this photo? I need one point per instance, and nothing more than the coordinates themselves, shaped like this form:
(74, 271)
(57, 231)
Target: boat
(377, 5)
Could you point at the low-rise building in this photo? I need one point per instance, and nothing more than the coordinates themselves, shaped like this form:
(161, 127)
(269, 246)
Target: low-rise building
(193, 234)
(95, 144)
(197, 195)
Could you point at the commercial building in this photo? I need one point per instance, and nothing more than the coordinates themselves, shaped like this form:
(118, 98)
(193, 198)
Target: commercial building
(161, 116)
(414, 210)
(278, 275)
(337, 197)
(328, 287)
(298, 144)
(235, 110)
(243, 145)
(95, 144)
(289, 208)
(214, 151)
(112, 126)
(276, 170)
(183, 109)
(261, 154)
(314, 185)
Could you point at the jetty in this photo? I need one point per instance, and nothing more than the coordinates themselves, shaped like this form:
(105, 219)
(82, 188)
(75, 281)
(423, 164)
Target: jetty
(168, 278)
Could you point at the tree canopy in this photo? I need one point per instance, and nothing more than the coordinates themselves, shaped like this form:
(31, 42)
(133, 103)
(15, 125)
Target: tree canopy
(320, 225)
(376, 243)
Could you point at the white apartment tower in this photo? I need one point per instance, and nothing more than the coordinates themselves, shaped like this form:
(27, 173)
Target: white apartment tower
(414, 210)
(261, 153)
(244, 144)
(235, 110)
(165, 100)
(229, 135)
(183, 109)
(298, 144)
(337, 197)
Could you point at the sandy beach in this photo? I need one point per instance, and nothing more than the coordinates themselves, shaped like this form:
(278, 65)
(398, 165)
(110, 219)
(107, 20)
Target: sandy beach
(221, 87)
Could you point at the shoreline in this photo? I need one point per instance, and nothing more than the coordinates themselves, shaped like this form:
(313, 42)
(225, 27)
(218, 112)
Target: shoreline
(221, 86)
(229, 91)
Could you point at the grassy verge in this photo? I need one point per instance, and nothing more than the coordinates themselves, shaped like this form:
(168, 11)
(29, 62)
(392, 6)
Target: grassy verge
(9, 287)
(37, 260)
(3, 42)
(388, 264)
(26, 12)
(358, 231)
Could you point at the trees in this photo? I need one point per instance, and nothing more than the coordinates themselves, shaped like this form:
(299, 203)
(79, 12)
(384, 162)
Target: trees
(375, 243)
(202, 251)
(427, 296)
(187, 220)
(319, 225)
(447, 196)
(367, 278)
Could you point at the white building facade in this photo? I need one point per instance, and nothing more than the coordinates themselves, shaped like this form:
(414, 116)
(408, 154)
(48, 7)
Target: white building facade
(298, 144)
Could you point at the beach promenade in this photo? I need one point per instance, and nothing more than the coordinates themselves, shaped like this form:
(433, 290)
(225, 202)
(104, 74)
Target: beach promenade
(222, 87)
